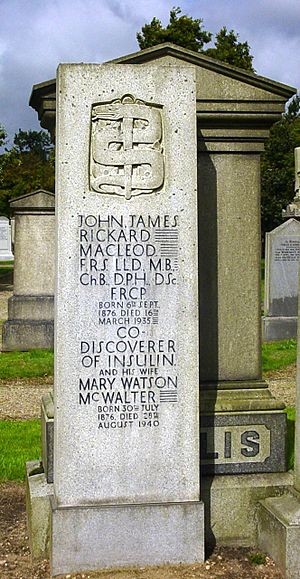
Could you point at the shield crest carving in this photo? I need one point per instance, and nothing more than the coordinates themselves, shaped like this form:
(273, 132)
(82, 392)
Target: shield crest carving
(126, 155)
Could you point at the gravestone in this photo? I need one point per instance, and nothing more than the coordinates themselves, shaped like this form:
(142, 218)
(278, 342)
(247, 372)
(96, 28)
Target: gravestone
(30, 308)
(5, 240)
(126, 396)
(242, 425)
(281, 281)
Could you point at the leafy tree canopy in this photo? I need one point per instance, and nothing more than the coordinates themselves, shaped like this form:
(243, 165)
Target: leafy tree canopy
(188, 32)
(2, 135)
(26, 167)
(228, 49)
(277, 167)
(181, 30)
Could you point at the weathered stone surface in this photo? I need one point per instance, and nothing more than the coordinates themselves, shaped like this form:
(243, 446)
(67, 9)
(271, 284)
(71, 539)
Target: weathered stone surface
(30, 309)
(126, 385)
(126, 535)
(281, 280)
(38, 510)
(243, 443)
(47, 427)
(23, 335)
(279, 532)
(231, 504)
(5, 240)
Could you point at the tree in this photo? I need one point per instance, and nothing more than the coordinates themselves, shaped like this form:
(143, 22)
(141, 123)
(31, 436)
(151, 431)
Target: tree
(228, 49)
(2, 135)
(27, 166)
(181, 30)
(38, 142)
(188, 32)
(277, 167)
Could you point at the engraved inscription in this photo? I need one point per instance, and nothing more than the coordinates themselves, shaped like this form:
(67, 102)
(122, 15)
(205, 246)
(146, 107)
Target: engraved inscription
(126, 148)
(235, 444)
(130, 264)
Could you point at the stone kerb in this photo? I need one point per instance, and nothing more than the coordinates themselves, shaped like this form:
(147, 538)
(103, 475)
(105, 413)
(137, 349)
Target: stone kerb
(30, 309)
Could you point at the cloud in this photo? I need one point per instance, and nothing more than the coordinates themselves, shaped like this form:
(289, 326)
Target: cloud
(35, 35)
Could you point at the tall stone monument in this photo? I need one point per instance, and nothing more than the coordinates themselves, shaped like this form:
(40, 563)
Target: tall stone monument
(126, 397)
(242, 425)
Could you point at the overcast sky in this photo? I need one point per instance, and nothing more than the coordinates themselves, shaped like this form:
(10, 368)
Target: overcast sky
(36, 35)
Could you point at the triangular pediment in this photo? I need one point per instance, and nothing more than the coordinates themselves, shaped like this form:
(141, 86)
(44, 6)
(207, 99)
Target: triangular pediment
(38, 199)
(162, 51)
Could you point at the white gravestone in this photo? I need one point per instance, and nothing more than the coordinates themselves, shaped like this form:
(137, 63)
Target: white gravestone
(126, 400)
(281, 281)
(5, 240)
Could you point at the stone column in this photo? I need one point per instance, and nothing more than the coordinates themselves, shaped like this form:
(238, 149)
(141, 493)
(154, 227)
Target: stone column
(126, 395)
(30, 309)
(239, 411)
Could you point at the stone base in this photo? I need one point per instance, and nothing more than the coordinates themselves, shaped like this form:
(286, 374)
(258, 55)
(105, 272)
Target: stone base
(25, 335)
(38, 510)
(91, 538)
(6, 256)
(279, 532)
(243, 428)
(31, 307)
(281, 328)
(231, 504)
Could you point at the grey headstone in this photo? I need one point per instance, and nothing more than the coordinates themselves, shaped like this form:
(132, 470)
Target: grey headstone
(5, 240)
(126, 405)
(281, 280)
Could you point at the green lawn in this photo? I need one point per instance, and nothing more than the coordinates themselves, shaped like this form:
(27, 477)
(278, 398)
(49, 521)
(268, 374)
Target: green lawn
(32, 364)
(20, 441)
(278, 355)
(291, 416)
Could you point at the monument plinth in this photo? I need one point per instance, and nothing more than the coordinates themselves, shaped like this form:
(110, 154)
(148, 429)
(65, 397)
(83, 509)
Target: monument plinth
(126, 398)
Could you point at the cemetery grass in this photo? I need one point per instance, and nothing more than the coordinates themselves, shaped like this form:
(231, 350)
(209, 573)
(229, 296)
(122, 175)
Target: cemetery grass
(32, 364)
(19, 443)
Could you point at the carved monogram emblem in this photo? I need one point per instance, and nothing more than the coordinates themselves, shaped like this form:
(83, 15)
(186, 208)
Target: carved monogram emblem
(126, 148)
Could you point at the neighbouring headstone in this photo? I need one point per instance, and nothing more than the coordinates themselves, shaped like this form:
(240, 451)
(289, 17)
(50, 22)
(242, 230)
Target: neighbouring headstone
(30, 309)
(281, 281)
(5, 240)
(126, 397)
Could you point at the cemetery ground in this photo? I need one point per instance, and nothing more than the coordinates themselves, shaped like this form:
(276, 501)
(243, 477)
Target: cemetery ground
(19, 426)
(24, 378)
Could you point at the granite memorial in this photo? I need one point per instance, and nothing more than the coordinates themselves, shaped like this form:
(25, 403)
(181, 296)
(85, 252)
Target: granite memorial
(30, 308)
(242, 426)
(281, 281)
(5, 240)
(126, 396)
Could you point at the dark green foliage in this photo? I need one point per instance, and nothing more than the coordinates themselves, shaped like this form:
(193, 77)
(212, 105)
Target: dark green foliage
(26, 167)
(257, 558)
(181, 30)
(2, 135)
(277, 167)
(37, 142)
(188, 32)
(228, 49)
